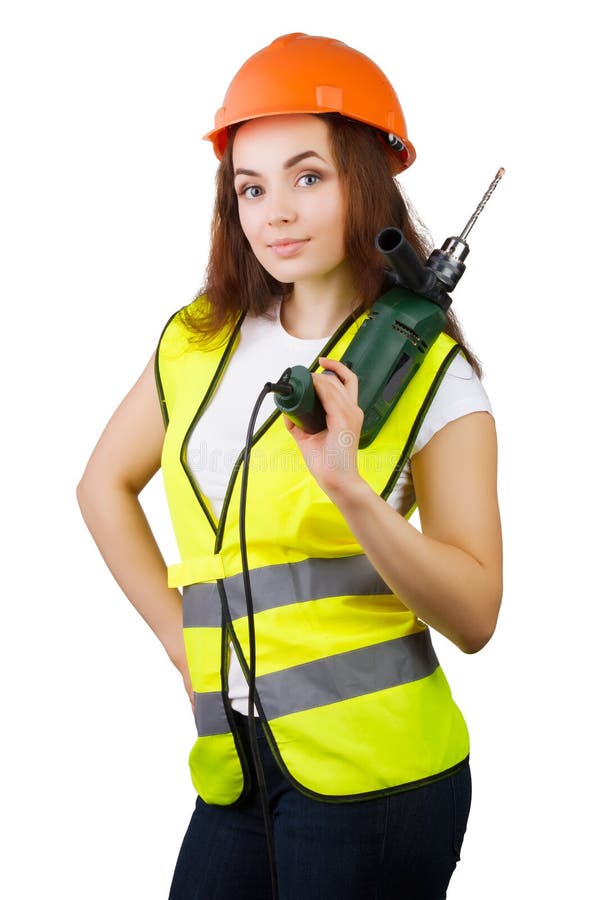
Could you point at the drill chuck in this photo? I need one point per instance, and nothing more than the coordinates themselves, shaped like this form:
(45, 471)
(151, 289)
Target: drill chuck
(448, 263)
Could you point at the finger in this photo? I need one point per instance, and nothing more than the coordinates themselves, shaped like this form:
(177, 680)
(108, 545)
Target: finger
(341, 409)
(292, 427)
(298, 434)
(338, 401)
(342, 384)
(331, 391)
(345, 374)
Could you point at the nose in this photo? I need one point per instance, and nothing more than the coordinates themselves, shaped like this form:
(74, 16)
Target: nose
(281, 209)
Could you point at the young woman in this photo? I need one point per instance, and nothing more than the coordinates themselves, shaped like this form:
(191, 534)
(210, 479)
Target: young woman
(362, 753)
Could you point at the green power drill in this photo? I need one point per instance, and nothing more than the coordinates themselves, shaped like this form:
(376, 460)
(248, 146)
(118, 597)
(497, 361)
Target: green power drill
(394, 338)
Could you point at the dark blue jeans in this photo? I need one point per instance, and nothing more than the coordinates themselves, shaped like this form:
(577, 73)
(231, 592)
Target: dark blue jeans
(401, 847)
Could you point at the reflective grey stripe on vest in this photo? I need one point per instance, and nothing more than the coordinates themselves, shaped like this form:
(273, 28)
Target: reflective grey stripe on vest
(283, 585)
(347, 675)
(323, 681)
(209, 714)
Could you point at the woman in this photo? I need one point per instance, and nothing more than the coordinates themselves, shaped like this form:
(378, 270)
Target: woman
(362, 753)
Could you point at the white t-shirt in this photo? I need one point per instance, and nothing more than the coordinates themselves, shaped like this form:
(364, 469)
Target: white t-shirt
(265, 350)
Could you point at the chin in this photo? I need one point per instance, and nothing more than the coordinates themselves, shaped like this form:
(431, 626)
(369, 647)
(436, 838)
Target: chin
(292, 272)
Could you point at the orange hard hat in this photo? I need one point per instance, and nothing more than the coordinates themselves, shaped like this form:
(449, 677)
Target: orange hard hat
(302, 73)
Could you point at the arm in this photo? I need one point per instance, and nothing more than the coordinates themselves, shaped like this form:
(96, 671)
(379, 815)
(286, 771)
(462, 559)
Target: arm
(450, 575)
(122, 463)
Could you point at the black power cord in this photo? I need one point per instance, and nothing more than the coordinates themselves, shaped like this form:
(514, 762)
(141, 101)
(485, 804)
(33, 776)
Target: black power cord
(283, 388)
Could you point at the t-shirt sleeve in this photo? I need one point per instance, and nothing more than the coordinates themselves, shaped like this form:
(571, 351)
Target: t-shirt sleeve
(460, 393)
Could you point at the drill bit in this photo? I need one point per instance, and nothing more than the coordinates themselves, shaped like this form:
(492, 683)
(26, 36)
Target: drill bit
(484, 200)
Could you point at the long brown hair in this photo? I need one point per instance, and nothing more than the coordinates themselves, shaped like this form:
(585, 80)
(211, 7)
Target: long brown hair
(235, 280)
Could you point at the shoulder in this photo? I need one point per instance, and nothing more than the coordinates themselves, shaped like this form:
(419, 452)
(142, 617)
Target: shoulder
(460, 392)
(174, 344)
(193, 328)
(179, 328)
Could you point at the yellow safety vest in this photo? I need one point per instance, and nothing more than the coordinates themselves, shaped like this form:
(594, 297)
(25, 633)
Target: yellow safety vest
(352, 697)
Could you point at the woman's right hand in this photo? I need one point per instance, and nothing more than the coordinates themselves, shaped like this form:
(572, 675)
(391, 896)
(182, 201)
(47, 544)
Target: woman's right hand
(122, 463)
(172, 641)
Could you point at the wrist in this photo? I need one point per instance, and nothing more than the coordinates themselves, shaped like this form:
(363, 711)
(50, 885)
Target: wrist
(174, 646)
(350, 493)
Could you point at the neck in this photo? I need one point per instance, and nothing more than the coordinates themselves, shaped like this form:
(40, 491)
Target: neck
(316, 310)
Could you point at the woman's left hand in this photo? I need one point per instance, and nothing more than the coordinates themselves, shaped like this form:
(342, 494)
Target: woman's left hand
(331, 454)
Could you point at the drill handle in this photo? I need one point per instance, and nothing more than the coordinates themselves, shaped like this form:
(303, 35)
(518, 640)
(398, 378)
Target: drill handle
(407, 265)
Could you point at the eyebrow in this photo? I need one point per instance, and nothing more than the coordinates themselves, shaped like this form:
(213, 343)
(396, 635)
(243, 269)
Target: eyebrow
(292, 161)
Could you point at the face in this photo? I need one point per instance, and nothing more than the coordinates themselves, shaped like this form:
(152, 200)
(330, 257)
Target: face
(290, 199)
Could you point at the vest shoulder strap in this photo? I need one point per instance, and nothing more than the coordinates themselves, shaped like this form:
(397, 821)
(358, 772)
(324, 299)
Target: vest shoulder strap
(177, 339)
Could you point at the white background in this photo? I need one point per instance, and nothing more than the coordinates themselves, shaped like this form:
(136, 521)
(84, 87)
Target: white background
(106, 192)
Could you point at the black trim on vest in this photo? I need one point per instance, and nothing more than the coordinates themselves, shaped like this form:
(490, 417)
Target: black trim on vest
(353, 798)
(226, 636)
(229, 630)
(209, 392)
(333, 340)
(161, 394)
(419, 421)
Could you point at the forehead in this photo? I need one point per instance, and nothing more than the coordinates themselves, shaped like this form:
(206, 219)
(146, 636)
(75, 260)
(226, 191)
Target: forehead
(274, 138)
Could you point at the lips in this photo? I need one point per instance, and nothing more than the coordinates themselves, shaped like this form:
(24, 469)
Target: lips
(288, 246)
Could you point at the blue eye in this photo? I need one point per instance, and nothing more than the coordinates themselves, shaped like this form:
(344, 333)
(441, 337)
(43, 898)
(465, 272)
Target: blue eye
(251, 192)
(310, 178)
